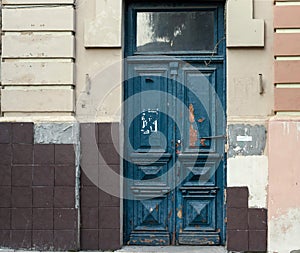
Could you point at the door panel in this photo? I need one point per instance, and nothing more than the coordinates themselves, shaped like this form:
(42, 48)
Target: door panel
(174, 125)
(149, 154)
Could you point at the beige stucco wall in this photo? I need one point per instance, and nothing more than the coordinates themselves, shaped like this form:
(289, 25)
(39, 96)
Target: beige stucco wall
(245, 104)
(98, 67)
(244, 64)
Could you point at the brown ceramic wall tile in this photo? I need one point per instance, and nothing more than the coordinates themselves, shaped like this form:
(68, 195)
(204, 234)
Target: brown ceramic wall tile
(93, 174)
(237, 218)
(237, 240)
(28, 184)
(42, 218)
(115, 168)
(108, 177)
(43, 154)
(105, 199)
(21, 239)
(5, 132)
(65, 240)
(108, 154)
(89, 239)
(64, 154)
(22, 154)
(5, 175)
(89, 217)
(246, 227)
(5, 218)
(5, 193)
(42, 239)
(21, 197)
(43, 175)
(89, 132)
(257, 240)
(6, 154)
(42, 197)
(89, 196)
(65, 175)
(237, 197)
(89, 154)
(109, 239)
(64, 197)
(21, 175)
(108, 133)
(22, 133)
(5, 240)
(257, 219)
(21, 218)
(109, 217)
(64, 218)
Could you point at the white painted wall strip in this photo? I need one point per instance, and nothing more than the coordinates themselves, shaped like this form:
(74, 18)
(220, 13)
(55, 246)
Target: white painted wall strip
(19, 2)
(287, 3)
(290, 85)
(287, 58)
(285, 30)
(288, 113)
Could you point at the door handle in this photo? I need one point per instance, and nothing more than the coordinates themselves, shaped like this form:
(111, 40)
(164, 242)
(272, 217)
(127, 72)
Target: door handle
(177, 143)
(215, 137)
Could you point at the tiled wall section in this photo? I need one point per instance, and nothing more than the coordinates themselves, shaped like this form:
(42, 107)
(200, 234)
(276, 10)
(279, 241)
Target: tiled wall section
(246, 227)
(100, 212)
(37, 188)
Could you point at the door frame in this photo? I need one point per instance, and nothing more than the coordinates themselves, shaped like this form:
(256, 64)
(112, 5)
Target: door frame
(191, 57)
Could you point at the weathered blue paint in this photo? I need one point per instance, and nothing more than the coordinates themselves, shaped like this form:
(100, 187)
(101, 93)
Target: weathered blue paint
(184, 205)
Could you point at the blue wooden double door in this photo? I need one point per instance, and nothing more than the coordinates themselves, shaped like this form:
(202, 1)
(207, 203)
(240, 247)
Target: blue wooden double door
(174, 124)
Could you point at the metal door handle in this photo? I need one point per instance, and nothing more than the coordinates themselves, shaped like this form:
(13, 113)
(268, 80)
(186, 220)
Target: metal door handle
(214, 137)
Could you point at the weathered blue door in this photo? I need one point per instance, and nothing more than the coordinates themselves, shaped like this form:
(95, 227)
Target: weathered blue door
(174, 104)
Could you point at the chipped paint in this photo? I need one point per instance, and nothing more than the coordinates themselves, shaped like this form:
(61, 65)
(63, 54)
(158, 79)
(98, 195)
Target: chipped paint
(193, 132)
(285, 228)
(192, 113)
(55, 133)
(252, 166)
(246, 140)
(202, 142)
(179, 213)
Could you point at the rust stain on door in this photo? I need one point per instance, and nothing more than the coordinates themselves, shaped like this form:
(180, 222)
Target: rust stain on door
(193, 132)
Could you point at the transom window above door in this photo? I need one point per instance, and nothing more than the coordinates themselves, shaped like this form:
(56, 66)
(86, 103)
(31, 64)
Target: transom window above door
(165, 31)
(173, 29)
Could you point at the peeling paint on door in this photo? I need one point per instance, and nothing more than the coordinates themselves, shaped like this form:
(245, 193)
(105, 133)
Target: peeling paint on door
(193, 132)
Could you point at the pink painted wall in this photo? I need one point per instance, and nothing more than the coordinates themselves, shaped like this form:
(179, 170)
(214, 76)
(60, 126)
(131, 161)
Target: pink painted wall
(284, 166)
(284, 185)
